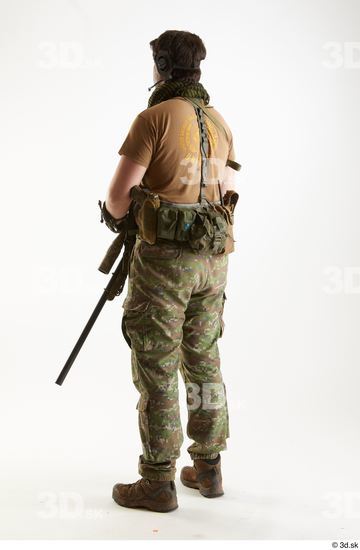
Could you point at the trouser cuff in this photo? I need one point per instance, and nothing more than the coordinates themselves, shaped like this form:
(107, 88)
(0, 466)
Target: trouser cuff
(157, 471)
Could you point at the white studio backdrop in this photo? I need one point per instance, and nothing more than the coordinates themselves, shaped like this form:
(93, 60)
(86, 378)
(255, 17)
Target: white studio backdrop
(286, 77)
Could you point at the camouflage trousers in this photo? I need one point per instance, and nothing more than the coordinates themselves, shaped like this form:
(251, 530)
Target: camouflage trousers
(172, 320)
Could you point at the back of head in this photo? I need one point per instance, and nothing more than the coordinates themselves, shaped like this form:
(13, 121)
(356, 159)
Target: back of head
(185, 49)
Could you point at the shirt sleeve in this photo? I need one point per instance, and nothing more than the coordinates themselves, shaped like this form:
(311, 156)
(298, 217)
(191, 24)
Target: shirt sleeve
(231, 155)
(139, 144)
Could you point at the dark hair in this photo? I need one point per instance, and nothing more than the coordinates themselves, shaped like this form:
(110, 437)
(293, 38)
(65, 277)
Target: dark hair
(185, 48)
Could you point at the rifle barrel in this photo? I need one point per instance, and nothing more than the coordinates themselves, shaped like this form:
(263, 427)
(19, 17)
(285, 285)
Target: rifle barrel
(104, 297)
(60, 379)
(112, 289)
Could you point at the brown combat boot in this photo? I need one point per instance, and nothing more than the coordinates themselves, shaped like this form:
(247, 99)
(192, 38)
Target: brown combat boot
(158, 496)
(204, 476)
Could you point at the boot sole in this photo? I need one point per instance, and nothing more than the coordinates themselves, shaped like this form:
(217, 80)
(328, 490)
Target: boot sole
(212, 496)
(147, 505)
(195, 485)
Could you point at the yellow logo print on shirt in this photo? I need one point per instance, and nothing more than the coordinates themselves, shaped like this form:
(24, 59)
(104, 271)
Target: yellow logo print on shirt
(189, 143)
(189, 139)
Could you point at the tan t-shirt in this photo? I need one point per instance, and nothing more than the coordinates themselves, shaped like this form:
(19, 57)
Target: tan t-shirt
(165, 139)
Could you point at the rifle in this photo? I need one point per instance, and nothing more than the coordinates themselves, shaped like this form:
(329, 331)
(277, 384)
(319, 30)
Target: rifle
(126, 238)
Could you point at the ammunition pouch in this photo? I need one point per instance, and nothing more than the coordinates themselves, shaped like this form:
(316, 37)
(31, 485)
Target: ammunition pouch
(206, 228)
(209, 232)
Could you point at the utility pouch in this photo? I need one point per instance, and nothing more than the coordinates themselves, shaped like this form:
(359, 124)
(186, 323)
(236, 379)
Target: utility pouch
(229, 202)
(146, 213)
(186, 218)
(208, 233)
(166, 222)
(228, 218)
(212, 229)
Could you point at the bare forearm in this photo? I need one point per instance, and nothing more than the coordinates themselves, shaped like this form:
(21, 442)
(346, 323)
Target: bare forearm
(118, 207)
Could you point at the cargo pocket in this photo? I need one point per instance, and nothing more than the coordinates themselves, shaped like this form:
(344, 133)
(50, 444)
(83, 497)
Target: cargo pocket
(142, 407)
(221, 319)
(226, 413)
(124, 332)
(134, 324)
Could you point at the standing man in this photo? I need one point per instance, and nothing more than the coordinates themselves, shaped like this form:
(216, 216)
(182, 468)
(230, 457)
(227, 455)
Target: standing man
(181, 151)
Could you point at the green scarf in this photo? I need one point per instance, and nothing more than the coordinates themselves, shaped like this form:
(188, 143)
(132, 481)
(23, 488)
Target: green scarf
(175, 88)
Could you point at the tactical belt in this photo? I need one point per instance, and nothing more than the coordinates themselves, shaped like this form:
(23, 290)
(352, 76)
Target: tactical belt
(185, 204)
(206, 228)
